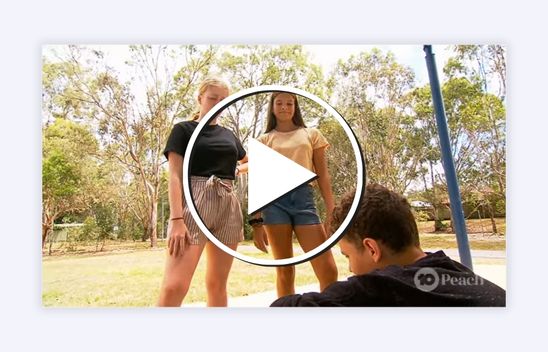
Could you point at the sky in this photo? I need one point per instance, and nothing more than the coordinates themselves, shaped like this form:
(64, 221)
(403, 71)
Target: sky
(324, 55)
(408, 55)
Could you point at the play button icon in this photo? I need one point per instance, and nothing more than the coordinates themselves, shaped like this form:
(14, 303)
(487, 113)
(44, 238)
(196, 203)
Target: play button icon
(271, 175)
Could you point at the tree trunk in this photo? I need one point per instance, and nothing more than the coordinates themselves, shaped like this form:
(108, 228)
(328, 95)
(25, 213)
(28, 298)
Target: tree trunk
(154, 221)
(146, 233)
(492, 217)
(50, 247)
(438, 224)
(47, 224)
(45, 231)
(494, 225)
(451, 219)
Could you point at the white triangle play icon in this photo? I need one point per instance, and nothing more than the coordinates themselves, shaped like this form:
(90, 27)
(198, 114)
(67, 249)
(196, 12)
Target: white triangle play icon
(271, 175)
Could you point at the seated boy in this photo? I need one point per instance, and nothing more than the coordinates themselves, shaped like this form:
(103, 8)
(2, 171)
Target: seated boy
(383, 250)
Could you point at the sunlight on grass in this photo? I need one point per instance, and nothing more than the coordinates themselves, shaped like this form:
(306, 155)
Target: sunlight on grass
(133, 279)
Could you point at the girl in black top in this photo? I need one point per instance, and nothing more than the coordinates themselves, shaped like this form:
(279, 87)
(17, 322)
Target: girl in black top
(214, 166)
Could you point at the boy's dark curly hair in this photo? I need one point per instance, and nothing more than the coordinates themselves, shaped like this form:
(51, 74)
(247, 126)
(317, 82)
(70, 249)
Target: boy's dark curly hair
(382, 215)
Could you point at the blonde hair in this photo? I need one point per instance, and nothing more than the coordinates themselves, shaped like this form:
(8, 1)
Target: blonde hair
(209, 81)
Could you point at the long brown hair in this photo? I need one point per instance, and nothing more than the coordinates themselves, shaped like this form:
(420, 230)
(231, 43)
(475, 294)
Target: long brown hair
(206, 83)
(271, 118)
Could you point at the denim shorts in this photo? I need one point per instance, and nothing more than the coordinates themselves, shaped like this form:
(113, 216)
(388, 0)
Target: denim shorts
(296, 208)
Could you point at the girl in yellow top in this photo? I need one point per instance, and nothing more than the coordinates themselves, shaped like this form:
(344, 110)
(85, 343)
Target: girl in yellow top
(296, 211)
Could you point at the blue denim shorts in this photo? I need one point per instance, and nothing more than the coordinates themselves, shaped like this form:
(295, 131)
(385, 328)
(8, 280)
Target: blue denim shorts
(296, 208)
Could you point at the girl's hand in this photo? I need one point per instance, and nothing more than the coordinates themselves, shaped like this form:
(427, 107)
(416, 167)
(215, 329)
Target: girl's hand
(259, 238)
(179, 237)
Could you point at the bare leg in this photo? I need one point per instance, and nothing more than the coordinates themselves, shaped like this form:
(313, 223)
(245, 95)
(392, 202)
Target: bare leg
(310, 237)
(279, 239)
(218, 268)
(178, 275)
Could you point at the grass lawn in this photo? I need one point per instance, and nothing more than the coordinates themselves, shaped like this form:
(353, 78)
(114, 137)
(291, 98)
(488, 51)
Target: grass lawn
(129, 274)
(133, 279)
(449, 241)
(479, 235)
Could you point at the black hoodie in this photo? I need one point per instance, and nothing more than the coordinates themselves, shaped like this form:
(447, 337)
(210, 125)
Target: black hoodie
(435, 280)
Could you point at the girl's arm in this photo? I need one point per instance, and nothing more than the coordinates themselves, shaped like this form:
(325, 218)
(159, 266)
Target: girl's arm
(242, 166)
(177, 230)
(259, 236)
(324, 181)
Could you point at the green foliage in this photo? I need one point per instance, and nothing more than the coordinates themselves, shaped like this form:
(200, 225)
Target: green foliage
(421, 215)
(370, 92)
(476, 121)
(105, 218)
(340, 156)
(103, 140)
(68, 169)
(99, 226)
(249, 66)
(132, 127)
(90, 231)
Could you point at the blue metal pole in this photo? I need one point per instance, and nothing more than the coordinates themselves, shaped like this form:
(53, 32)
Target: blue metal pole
(447, 160)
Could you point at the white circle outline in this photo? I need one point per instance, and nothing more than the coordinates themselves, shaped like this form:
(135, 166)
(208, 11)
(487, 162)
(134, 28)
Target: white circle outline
(353, 208)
